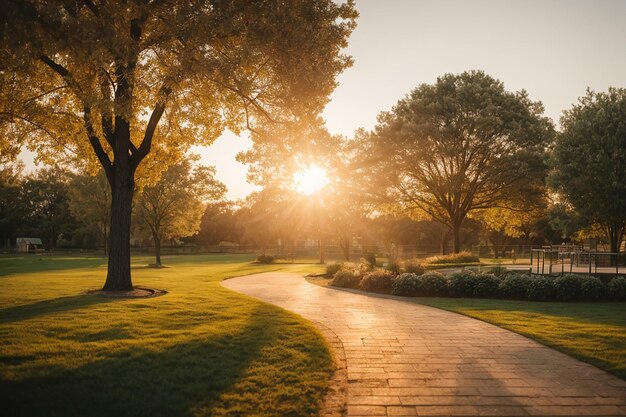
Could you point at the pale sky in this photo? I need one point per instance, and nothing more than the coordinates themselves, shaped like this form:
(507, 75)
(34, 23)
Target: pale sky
(554, 49)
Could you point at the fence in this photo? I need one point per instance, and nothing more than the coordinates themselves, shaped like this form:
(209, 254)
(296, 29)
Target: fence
(554, 261)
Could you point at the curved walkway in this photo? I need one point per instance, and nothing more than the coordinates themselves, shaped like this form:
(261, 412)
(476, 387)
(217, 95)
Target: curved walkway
(405, 359)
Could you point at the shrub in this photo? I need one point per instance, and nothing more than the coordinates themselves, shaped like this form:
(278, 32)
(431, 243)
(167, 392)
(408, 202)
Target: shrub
(413, 266)
(377, 281)
(332, 269)
(453, 258)
(428, 284)
(432, 284)
(345, 278)
(541, 289)
(406, 284)
(515, 286)
(462, 283)
(370, 260)
(498, 271)
(568, 287)
(265, 259)
(592, 289)
(486, 285)
(393, 267)
(617, 289)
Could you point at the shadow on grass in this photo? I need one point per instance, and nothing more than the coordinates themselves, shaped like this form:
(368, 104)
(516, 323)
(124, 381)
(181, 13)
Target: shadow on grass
(51, 306)
(35, 264)
(182, 380)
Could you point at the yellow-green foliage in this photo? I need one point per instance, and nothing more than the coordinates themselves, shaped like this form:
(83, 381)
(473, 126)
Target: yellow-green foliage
(199, 350)
(593, 332)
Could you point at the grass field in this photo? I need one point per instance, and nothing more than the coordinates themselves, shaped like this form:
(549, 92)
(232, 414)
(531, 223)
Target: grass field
(199, 350)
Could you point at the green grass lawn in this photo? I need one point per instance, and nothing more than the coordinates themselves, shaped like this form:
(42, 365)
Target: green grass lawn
(200, 350)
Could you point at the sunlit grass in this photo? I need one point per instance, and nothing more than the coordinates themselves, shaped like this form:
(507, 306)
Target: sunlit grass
(199, 350)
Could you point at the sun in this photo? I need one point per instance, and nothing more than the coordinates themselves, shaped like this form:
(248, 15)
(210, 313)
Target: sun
(310, 180)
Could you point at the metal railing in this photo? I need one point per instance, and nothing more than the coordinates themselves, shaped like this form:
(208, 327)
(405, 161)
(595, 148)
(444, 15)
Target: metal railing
(553, 261)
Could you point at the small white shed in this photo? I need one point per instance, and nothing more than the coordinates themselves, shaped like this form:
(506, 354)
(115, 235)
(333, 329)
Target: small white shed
(29, 245)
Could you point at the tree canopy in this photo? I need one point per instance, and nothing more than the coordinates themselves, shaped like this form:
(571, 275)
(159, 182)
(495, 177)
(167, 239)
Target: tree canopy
(132, 84)
(459, 145)
(589, 161)
(173, 207)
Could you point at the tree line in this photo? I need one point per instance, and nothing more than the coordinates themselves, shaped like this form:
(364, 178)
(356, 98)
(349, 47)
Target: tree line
(127, 87)
(465, 151)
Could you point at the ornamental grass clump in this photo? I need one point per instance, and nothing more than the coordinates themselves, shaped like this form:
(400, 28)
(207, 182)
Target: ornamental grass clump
(413, 266)
(346, 278)
(265, 259)
(453, 258)
(332, 269)
(377, 281)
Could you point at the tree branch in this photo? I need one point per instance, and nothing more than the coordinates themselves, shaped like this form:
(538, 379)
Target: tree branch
(97, 146)
(144, 148)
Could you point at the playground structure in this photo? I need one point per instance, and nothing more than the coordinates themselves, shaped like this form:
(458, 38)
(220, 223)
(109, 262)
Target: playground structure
(564, 259)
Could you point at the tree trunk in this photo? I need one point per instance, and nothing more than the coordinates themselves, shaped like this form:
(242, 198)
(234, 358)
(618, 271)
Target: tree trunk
(157, 248)
(118, 276)
(615, 237)
(345, 247)
(457, 236)
(321, 250)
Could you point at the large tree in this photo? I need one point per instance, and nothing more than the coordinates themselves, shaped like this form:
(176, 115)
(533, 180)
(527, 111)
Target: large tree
(116, 82)
(172, 208)
(589, 161)
(459, 145)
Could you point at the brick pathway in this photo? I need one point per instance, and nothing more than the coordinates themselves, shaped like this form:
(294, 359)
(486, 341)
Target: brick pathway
(405, 359)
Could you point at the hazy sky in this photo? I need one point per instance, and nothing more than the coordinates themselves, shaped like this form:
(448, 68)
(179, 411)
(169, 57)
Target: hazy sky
(553, 49)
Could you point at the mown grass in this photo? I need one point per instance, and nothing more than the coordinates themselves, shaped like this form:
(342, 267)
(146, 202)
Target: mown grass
(200, 350)
(592, 332)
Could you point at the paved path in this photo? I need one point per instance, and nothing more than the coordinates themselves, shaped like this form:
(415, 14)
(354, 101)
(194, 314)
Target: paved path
(405, 359)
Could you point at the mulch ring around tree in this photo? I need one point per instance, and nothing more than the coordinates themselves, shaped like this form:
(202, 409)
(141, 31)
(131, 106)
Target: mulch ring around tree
(136, 292)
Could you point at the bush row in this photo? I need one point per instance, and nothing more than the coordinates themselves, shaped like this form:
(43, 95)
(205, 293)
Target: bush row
(516, 286)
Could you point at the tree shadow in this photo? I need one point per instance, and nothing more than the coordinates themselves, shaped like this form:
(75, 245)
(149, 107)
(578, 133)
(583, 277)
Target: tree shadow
(51, 306)
(496, 397)
(36, 264)
(183, 380)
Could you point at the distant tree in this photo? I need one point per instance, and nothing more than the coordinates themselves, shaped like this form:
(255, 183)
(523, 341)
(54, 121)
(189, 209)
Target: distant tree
(502, 225)
(589, 161)
(90, 201)
(130, 85)
(12, 211)
(172, 208)
(460, 145)
(45, 200)
(219, 223)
